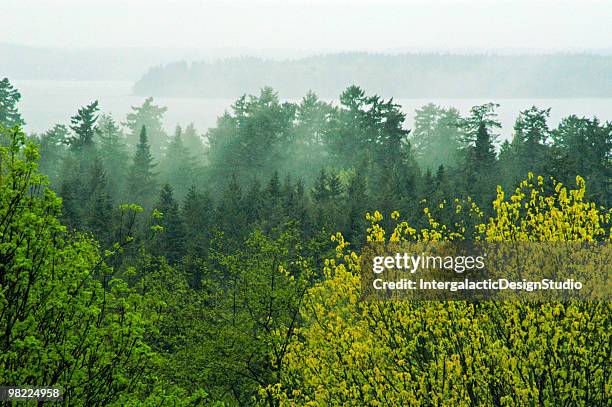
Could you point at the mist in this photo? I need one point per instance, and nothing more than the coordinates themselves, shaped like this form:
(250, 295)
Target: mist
(312, 26)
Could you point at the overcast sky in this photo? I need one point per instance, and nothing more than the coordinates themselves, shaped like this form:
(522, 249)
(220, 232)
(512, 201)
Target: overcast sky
(315, 25)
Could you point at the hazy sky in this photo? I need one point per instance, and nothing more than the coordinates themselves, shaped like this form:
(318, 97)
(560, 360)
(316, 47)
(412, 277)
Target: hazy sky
(315, 25)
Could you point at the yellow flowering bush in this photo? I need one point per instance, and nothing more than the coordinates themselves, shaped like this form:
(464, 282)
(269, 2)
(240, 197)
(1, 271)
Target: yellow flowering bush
(456, 353)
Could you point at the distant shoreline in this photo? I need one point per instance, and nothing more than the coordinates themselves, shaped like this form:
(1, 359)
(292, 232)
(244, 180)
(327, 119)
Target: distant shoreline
(401, 76)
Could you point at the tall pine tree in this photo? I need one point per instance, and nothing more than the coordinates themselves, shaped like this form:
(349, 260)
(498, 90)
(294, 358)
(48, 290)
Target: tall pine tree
(141, 180)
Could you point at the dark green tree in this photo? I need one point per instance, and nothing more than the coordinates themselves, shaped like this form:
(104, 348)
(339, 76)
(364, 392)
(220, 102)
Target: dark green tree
(170, 242)
(113, 154)
(480, 169)
(83, 124)
(528, 150)
(52, 151)
(9, 98)
(141, 183)
(583, 146)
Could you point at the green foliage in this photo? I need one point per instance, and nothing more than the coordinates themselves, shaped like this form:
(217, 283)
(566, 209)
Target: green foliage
(61, 325)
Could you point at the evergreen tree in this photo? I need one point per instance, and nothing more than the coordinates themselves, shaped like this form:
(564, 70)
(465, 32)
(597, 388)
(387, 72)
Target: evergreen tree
(274, 188)
(320, 192)
(357, 204)
(170, 243)
(254, 203)
(197, 214)
(83, 124)
(98, 207)
(141, 184)
(582, 146)
(193, 142)
(334, 185)
(150, 116)
(52, 152)
(528, 151)
(113, 153)
(9, 98)
(231, 213)
(435, 137)
(179, 167)
(480, 171)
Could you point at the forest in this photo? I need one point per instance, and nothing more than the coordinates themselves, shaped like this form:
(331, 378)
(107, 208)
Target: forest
(424, 75)
(222, 268)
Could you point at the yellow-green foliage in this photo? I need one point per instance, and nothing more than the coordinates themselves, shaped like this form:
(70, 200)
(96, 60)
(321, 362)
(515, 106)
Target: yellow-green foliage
(456, 353)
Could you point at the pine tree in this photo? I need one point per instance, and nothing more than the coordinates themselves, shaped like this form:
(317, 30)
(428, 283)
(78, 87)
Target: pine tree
(171, 241)
(357, 204)
(179, 167)
(83, 124)
(274, 187)
(528, 150)
(52, 152)
(334, 185)
(141, 184)
(255, 203)
(288, 193)
(113, 153)
(9, 98)
(481, 172)
(98, 207)
(320, 192)
(197, 214)
(193, 142)
(150, 116)
(231, 214)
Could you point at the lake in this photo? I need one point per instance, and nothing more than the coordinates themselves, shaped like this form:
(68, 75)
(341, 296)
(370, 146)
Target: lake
(45, 103)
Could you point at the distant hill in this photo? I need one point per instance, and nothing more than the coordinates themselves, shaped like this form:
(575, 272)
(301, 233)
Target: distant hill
(94, 63)
(405, 76)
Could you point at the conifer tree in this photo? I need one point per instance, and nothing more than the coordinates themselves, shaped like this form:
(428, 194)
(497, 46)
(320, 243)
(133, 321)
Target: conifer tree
(179, 167)
(197, 214)
(231, 214)
(113, 153)
(528, 151)
(170, 243)
(83, 124)
(320, 192)
(254, 203)
(52, 152)
(150, 116)
(9, 98)
(480, 170)
(357, 203)
(334, 185)
(98, 207)
(141, 184)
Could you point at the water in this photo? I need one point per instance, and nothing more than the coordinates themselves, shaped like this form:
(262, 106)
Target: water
(45, 103)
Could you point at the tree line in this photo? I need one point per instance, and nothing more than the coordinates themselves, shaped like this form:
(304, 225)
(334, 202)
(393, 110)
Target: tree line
(419, 75)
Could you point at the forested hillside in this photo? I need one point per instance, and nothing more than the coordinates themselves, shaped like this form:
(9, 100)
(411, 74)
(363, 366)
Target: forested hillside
(399, 76)
(139, 267)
